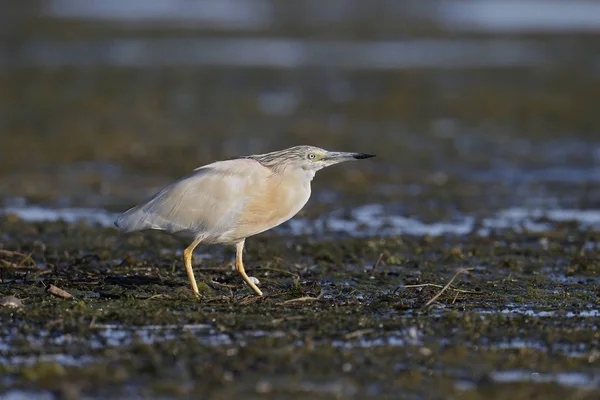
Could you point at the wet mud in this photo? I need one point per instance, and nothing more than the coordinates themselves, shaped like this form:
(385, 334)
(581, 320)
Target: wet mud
(342, 317)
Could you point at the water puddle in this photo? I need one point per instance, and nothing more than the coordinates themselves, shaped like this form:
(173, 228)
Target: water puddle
(60, 358)
(568, 349)
(372, 220)
(589, 313)
(27, 395)
(562, 174)
(367, 220)
(281, 53)
(482, 15)
(520, 15)
(284, 53)
(569, 379)
(215, 14)
(114, 336)
(410, 337)
(575, 379)
(109, 336)
(117, 335)
(70, 215)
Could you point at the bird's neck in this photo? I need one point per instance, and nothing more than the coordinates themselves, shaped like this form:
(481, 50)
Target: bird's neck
(297, 175)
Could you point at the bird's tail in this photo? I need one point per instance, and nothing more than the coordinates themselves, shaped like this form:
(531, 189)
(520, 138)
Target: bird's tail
(132, 220)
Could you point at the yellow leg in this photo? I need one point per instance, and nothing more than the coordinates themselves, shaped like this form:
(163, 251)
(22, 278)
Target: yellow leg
(187, 260)
(239, 266)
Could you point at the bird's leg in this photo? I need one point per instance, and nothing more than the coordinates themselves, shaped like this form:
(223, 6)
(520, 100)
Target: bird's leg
(187, 260)
(239, 266)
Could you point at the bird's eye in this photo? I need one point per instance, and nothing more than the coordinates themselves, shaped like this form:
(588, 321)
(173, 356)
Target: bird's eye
(311, 156)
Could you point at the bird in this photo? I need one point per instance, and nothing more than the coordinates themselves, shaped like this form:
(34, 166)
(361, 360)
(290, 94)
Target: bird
(227, 201)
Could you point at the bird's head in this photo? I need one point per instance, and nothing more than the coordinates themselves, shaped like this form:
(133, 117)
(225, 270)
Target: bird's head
(308, 158)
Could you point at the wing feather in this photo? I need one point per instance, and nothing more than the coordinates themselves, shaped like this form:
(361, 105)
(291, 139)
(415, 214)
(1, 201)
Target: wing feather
(207, 202)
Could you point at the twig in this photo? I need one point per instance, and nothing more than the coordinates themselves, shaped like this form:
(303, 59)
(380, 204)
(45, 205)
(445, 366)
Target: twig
(358, 333)
(455, 297)
(9, 264)
(447, 285)
(28, 258)
(24, 257)
(54, 322)
(377, 262)
(422, 285)
(436, 286)
(12, 253)
(301, 300)
(304, 299)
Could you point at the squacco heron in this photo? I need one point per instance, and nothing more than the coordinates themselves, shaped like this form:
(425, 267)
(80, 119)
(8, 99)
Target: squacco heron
(227, 201)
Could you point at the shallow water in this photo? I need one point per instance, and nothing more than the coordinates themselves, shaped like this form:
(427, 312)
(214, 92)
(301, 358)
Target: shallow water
(280, 53)
(566, 379)
(259, 14)
(367, 220)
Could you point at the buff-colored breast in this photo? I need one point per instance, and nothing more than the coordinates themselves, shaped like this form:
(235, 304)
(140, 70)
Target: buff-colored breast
(274, 201)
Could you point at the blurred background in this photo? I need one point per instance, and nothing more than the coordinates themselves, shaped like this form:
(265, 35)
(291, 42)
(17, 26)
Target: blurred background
(472, 106)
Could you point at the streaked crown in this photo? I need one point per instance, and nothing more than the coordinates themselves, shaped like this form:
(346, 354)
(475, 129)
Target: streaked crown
(282, 157)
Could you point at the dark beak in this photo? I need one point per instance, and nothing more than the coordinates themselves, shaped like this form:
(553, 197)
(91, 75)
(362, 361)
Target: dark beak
(360, 156)
(335, 157)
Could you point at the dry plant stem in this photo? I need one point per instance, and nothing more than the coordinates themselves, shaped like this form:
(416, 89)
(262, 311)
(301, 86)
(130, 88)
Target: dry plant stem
(377, 262)
(455, 297)
(436, 286)
(304, 299)
(301, 300)
(12, 253)
(9, 264)
(24, 258)
(358, 333)
(447, 285)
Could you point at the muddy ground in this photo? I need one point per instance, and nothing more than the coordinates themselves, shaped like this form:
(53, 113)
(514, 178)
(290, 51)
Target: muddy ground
(341, 318)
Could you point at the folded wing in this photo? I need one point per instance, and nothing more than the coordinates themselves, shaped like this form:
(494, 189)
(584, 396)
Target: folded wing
(207, 202)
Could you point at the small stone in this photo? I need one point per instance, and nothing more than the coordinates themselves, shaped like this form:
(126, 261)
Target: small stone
(425, 351)
(254, 280)
(11, 302)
